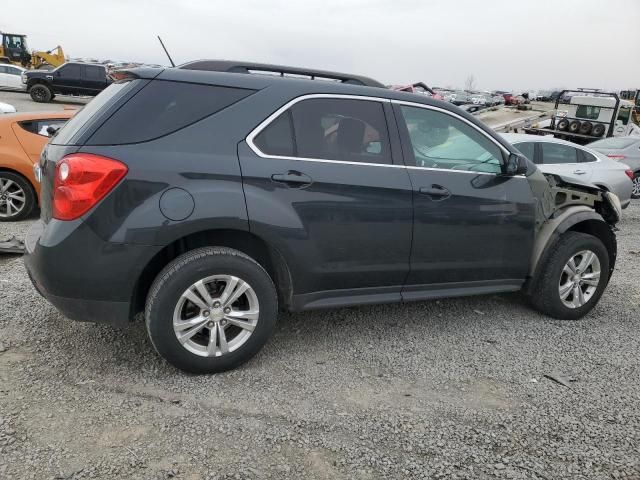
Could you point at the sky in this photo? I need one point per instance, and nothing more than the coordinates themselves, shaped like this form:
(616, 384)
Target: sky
(503, 44)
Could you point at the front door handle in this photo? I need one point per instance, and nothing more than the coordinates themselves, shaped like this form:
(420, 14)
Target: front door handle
(292, 178)
(436, 192)
(579, 172)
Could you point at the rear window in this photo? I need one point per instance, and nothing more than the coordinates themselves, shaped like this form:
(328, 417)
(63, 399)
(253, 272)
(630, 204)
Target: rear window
(74, 128)
(163, 107)
(614, 143)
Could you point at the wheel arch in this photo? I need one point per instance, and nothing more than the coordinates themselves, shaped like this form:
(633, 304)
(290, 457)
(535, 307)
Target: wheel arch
(577, 219)
(248, 243)
(26, 178)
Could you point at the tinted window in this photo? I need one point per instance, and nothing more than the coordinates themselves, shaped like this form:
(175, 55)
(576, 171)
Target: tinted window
(330, 128)
(277, 138)
(74, 128)
(94, 73)
(443, 141)
(69, 71)
(3, 69)
(163, 107)
(13, 71)
(558, 153)
(588, 157)
(527, 149)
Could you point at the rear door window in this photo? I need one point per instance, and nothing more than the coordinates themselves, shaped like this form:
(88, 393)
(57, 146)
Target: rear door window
(527, 149)
(164, 107)
(554, 153)
(91, 72)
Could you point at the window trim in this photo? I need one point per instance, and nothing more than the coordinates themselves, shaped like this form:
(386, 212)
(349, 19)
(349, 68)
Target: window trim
(267, 121)
(578, 154)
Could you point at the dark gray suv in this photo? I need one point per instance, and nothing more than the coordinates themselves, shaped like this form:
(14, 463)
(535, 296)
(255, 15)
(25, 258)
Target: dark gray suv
(210, 196)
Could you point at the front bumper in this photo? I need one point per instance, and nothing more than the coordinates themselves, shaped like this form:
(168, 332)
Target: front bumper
(83, 276)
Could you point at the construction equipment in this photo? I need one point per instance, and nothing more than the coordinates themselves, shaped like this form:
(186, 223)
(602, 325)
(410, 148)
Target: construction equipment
(13, 49)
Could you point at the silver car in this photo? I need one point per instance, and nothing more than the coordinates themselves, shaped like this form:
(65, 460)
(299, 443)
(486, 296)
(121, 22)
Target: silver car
(625, 150)
(553, 155)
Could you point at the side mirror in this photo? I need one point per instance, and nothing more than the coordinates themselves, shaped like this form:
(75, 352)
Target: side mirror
(516, 165)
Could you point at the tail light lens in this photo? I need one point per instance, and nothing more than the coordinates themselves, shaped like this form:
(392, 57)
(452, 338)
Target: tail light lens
(81, 181)
(629, 173)
(616, 157)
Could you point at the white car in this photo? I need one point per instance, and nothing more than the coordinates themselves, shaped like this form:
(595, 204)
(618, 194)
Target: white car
(553, 155)
(6, 108)
(11, 77)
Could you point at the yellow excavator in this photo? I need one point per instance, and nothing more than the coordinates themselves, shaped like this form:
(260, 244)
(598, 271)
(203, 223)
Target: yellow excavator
(14, 50)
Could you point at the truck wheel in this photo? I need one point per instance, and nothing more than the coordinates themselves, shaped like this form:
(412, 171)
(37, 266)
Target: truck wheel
(598, 130)
(40, 93)
(571, 280)
(585, 128)
(17, 198)
(562, 124)
(211, 310)
(574, 126)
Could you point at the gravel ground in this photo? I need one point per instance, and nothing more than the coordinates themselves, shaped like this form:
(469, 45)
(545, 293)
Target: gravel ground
(444, 389)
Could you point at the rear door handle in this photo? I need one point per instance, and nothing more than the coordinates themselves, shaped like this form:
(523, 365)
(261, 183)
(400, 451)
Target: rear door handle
(292, 178)
(579, 172)
(436, 192)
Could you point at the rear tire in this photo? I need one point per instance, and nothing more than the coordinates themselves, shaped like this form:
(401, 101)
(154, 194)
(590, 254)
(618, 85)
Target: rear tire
(17, 197)
(636, 185)
(40, 93)
(552, 280)
(222, 340)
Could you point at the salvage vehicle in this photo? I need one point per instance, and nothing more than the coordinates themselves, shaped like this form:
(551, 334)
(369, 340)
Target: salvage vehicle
(210, 196)
(584, 164)
(625, 150)
(22, 138)
(10, 77)
(72, 78)
(585, 115)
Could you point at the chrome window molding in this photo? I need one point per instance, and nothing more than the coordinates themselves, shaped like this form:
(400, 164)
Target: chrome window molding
(267, 121)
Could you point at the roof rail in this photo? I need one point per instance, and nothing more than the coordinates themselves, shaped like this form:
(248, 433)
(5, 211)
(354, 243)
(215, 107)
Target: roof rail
(278, 70)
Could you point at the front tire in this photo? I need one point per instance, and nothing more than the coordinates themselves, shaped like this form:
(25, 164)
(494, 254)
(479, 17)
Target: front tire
(572, 279)
(211, 310)
(40, 93)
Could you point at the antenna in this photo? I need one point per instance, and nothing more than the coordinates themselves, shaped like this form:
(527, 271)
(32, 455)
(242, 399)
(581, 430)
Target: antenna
(165, 51)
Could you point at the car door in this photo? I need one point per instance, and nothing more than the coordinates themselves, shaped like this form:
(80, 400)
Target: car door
(12, 78)
(93, 79)
(564, 160)
(473, 226)
(324, 184)
(67, 79)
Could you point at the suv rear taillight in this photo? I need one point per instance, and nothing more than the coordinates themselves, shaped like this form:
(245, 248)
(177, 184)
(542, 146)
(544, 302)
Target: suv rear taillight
(81, 181)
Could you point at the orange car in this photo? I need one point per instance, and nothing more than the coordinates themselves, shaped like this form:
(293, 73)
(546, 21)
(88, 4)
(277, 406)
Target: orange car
(22, 138)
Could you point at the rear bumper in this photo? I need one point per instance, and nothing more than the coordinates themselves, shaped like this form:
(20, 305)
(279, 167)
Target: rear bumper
(83, 276)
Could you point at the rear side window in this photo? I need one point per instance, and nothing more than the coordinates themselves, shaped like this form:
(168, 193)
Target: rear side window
(94, 73)
(329, 128)
(528, 149)
(589, 112)
(39, 127)
(163, 107)
(587, 157)
(557, 153)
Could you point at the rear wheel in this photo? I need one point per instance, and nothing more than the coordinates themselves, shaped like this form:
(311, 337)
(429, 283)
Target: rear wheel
(40, 93)
(636, 185)
(573, 277)
(17, 198)
(211, 310)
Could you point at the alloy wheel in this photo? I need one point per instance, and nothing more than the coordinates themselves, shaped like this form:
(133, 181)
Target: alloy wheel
(216, 315)
(636, 186)
(12, 198)
(579, 279)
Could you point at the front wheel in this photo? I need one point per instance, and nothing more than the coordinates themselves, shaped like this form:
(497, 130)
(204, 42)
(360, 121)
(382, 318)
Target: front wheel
(40, 93)
(573, 277)
(211, 310)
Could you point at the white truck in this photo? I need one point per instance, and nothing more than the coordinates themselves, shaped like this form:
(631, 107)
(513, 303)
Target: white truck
(585, 115)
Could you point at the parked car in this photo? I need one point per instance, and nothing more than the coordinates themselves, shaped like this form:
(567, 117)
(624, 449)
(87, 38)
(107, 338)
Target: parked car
(72, 78)
(420, 88)
(23, 136)
(211, 200)
(10, 77)
(625, 150)
(557, 156)
(7, 108)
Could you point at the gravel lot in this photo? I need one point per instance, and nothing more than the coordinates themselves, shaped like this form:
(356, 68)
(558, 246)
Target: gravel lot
(444, 389)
